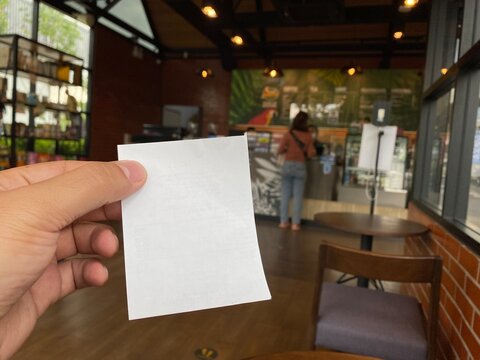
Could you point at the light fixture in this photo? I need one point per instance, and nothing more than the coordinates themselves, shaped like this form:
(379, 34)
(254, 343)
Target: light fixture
(209, 10)
(205, 73)
(237, 40)
(273, 71)
(443, 71)
(410, 3)
(352, 70)
(397, 35)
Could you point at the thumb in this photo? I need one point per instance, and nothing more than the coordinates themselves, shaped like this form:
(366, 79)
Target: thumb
(58, 201)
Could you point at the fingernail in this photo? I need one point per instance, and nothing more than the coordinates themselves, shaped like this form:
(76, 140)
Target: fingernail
(132, 170)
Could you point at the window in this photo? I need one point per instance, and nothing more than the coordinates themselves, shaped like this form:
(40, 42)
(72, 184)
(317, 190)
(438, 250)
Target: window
(473, 211)
(440, 137)
(64, 33)
(16, 17)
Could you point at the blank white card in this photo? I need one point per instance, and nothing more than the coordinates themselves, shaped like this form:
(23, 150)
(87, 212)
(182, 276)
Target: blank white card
(189, 234)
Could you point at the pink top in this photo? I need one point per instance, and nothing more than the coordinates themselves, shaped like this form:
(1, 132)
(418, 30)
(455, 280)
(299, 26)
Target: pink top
(292, 150)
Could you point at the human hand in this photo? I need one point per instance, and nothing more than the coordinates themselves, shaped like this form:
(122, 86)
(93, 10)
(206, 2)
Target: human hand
(46, 217)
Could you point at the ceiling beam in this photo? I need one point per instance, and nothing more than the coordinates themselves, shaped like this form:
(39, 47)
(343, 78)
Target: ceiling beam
(156, 37)
(207, 27)
(352, 16)
(98, 12)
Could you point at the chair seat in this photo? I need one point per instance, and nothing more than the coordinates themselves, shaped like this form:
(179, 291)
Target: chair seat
(350, 317)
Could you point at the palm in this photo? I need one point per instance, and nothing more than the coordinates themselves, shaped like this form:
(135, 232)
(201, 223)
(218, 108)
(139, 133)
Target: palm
(43, 270)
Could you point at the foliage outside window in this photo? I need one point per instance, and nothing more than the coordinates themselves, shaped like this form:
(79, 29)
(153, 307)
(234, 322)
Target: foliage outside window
(473, 212)
(16, 17)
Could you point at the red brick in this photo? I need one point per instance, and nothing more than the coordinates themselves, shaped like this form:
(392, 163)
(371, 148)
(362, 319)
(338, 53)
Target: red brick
(472, 342)
(438, 230)
(476, 324)
(468, 261)
(445, 344)
(459, 346)
(473, 292)
(453, 312)
(457, 273)
(452, 246)
(465, 307)
(448, 283)
(445, 322)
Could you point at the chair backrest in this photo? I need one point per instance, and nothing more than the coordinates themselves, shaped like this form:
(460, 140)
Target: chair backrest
(411, 269)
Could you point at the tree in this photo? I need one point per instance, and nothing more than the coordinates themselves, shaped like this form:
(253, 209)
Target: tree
(3, 16)
(57, 30)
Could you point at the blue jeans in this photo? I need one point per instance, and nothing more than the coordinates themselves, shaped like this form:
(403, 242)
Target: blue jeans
(294, 174)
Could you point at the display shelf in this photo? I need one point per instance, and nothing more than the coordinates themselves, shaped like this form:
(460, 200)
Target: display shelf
(27, 74)
(22, 58)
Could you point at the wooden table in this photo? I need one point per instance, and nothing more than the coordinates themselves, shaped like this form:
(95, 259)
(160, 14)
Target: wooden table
(312, 355)
(368, 226)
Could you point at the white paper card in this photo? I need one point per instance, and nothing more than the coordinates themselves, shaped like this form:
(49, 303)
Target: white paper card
(368, 147)
(189, 234)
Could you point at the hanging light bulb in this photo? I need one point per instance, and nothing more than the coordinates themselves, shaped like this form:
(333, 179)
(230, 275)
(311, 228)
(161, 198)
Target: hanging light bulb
(443, 71)
(351, 71)
(205, 73)
(237, 40)
(209, 10)
(272, 72)
(410, 3)
(397, 35)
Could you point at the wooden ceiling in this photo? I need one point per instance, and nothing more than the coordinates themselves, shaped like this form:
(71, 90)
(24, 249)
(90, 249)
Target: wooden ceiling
(289, 28)
(274, 29)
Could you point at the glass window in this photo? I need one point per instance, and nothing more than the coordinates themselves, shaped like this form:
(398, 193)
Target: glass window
(450, 41)
(133, 13)
(436, 174)
(16, 17)
(473, 211)
(64, 33)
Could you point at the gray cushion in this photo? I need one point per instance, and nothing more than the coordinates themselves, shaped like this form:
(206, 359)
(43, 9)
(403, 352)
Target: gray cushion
(370, 322)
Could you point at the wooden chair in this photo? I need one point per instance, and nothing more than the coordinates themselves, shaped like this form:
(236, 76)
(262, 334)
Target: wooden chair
(370, 322)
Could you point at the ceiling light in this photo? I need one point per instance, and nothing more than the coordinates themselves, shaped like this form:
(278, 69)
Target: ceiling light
(443, 71)
(209, 10)
(352, 70)
(273, 72)
(410, 3)
(205, 73)
(398, 35)
(237, 40)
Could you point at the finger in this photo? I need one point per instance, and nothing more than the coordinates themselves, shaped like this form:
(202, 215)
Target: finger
(87, 238)
(25, 175)
(55, 203)
(79, 273)
(106, 212)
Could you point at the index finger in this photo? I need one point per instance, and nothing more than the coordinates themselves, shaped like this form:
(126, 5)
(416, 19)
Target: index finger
(30, 174)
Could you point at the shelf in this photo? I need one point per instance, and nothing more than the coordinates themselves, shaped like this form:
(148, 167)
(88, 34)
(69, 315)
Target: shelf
(43, 138)
(40, 49)
(51, 108)
(27, 74)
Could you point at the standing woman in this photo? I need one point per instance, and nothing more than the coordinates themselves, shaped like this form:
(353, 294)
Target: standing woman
(297, 145)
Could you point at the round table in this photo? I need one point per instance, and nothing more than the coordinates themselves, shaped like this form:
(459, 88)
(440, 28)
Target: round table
(368, 226)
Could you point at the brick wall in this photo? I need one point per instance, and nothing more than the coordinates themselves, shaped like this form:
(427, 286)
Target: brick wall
(459, 315)
(181, 85)
(126, 93)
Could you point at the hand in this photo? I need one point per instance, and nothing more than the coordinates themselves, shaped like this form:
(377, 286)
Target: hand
(46, 214)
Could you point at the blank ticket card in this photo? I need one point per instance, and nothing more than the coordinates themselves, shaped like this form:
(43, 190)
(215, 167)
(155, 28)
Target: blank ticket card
(189, 234)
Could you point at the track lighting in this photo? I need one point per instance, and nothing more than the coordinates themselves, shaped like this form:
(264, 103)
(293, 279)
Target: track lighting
(410, 3)
(397, 35)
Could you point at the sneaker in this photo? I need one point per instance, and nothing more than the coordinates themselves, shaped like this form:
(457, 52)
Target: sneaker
(295, 227)
(284, 225)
